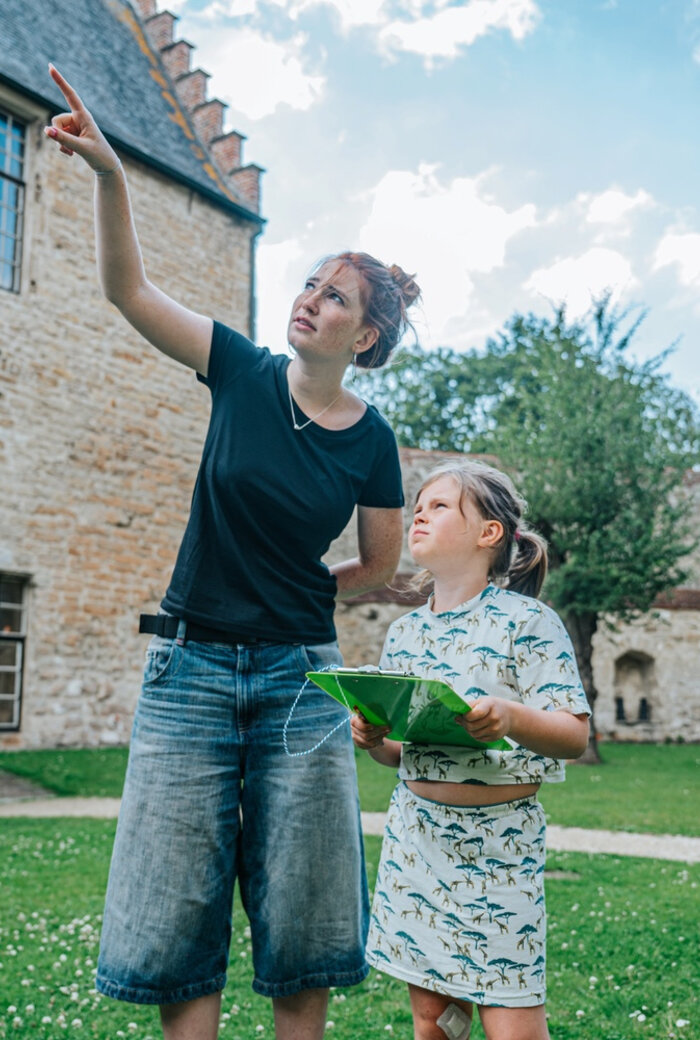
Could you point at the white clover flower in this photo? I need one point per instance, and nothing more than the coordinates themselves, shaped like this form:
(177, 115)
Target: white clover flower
(11, 1010)
(77, 1023)
(680, 1022)
(580, 1013)
(17, 1021)
(46, 1020)
(330, 1024)
(132, 1027)
(260, 1029)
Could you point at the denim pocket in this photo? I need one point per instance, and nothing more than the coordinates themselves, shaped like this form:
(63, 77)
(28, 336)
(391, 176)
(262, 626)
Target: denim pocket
(159, 657)
(321, 655)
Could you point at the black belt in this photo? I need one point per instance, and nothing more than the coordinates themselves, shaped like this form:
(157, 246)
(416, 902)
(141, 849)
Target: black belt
(166, 625)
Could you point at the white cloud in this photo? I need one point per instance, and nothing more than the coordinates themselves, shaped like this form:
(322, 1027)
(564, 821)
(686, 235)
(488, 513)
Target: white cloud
(443, 34)
(578, 281)
(613, 206)
(254, 73)
(444, 232)
(220, 8)
(683, 250)
(352, 13)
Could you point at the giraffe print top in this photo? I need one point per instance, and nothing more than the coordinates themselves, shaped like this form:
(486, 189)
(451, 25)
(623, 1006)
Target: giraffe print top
(498, 644)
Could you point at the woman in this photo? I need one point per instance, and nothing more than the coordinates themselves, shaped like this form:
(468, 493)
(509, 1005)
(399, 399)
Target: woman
(211, 792)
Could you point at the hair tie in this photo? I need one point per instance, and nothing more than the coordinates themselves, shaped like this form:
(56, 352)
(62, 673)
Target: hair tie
(517, 534)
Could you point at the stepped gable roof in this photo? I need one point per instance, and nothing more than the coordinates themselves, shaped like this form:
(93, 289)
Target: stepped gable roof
(102, 48)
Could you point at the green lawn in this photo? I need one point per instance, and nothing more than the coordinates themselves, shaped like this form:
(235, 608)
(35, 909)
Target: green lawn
(651, 788)
(622, 949)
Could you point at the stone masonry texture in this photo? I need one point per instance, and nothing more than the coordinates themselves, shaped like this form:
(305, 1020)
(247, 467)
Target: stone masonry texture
(100, 437)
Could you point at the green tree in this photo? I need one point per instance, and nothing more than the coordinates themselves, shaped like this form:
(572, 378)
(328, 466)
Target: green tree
(599, 444)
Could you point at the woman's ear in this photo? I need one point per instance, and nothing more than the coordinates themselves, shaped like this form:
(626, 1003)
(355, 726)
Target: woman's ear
(367, 340)
(491, 534)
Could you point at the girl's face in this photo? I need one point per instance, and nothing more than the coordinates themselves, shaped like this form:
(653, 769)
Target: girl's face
(327, 317)
(446, 530)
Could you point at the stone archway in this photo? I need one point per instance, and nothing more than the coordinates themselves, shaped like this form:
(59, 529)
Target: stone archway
(635, 689)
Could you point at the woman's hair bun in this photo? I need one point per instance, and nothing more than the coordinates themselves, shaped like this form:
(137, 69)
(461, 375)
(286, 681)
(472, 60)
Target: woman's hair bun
(408, 287)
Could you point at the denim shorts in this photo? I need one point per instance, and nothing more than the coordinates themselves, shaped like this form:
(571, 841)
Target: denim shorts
(211, 795)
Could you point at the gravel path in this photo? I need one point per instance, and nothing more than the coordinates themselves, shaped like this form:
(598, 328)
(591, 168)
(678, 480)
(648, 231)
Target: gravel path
(561, 839)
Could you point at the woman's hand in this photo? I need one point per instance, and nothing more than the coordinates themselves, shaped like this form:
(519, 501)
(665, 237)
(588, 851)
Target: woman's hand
(76, 131)
(489, 719)
(365, 735)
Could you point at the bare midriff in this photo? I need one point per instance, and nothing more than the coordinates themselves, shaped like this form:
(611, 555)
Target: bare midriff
(469, 794)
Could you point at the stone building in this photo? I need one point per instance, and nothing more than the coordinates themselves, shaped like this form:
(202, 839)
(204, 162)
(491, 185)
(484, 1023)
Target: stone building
(100, 435)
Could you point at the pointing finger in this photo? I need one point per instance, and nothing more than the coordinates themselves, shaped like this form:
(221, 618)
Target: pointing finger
(71, 95)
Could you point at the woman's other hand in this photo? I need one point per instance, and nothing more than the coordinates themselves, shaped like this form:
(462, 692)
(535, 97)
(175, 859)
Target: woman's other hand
(76, 131)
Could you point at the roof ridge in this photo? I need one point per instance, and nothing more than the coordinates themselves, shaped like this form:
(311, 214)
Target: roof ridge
(200, 117)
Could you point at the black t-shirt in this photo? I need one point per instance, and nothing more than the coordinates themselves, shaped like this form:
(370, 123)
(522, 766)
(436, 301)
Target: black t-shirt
(269, 500)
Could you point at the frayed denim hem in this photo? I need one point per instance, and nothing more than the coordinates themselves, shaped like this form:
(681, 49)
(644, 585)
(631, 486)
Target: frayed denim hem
(134, 995)
(318, 981)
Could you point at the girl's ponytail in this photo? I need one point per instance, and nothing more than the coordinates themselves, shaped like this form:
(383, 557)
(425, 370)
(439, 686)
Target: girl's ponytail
(528, 567)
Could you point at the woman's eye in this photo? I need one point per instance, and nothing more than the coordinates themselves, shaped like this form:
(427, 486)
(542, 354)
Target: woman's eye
(335, 296)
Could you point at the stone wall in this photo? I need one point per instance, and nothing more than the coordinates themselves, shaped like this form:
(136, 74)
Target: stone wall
(99, 436)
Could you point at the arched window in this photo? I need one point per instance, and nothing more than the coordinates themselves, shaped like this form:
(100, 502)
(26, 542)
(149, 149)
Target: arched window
(634, 686)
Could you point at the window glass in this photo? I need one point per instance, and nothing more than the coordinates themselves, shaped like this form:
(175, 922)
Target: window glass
(12, 155)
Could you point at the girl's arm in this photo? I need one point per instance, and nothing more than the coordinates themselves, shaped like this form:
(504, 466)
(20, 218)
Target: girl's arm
(181, 333)
(379, 535)
(372, 738)
(555, 734)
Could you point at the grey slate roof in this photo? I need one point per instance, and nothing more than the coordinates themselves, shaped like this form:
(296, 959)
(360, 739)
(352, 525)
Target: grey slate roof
(102, 50)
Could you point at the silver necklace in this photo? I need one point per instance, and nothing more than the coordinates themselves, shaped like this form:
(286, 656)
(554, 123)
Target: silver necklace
(302, 426)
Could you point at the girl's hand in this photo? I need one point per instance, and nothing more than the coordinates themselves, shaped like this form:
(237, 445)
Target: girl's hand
(490, 719)
(365, 735)
(76, 131)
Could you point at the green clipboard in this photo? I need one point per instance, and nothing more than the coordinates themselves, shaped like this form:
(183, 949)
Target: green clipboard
(419, 711)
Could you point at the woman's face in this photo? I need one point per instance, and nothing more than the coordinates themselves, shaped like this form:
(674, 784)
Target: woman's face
(327, 317)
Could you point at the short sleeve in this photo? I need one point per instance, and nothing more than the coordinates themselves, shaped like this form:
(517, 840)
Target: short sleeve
(385, 659)
(383, 487)
(545, 664)
(231, 353)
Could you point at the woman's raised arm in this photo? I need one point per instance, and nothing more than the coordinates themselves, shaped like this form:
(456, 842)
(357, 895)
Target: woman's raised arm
(183, 334)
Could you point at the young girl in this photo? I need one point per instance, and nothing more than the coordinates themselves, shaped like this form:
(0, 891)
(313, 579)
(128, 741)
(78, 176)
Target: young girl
(458, 908)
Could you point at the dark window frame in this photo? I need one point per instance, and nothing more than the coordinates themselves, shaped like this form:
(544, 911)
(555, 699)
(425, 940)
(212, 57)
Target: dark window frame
(12, 174)
(13, 637)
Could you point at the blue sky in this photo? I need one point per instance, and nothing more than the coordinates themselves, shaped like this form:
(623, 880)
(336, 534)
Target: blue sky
(512, 153)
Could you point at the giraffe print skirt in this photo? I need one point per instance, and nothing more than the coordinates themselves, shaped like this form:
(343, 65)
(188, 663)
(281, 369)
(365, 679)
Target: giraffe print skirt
(459, 901)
